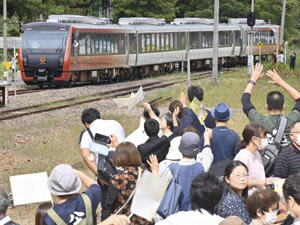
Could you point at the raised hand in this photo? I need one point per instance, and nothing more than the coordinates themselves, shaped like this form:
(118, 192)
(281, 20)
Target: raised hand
(276, 79)
(153, 163)
(257, 72)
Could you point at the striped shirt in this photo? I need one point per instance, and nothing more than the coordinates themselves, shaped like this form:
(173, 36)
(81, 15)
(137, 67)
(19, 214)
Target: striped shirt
(288, 162)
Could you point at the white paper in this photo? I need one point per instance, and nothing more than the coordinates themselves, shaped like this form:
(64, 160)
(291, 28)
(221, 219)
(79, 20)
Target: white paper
(149, 193)
(139, 97)
(30, 188)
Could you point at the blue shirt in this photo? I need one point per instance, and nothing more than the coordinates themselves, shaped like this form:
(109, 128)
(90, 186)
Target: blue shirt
(232, 205)
(74, 208)
(222, 143)
(189, 119)
(209, 120)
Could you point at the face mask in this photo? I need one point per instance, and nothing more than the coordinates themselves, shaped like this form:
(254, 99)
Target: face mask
(264, 144)
(298, 139)
(270, 217)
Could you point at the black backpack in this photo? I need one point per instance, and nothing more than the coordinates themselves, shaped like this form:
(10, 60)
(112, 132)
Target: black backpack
(270, 153)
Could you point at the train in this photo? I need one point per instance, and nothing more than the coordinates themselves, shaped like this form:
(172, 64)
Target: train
(68, 49)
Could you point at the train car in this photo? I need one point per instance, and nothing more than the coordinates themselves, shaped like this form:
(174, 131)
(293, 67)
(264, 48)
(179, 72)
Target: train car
(71, 49)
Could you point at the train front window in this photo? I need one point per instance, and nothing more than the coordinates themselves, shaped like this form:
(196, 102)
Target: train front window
(36, 40)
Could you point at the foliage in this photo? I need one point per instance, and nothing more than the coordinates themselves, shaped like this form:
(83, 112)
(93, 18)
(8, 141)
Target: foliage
(144, 8)
(269, 10)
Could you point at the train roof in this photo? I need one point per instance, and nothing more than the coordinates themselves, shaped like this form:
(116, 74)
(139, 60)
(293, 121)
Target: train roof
(133, 25)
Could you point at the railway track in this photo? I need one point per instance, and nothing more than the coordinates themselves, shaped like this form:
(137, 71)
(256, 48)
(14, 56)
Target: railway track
(65, 103)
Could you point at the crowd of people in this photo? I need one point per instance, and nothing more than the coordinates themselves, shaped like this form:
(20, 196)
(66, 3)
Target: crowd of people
(216, 176)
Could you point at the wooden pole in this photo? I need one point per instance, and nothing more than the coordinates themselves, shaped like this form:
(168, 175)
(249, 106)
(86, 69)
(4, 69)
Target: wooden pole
(215, 43)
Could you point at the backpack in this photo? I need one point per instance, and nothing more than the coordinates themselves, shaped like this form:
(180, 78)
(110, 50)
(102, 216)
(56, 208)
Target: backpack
(88, 220)
(270, 153)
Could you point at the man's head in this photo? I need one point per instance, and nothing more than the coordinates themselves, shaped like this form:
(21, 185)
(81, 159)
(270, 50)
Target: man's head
(275, 101)
(4, 201)
(89, 115)
(222, 113)
(173, 105)
(63, 181)
(154, 109)
(151, 127)
(195, 91)
(206, 192)
(295, 133)
(189, 144)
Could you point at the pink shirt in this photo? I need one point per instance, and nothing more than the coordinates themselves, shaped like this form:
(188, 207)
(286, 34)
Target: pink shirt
(254, 163)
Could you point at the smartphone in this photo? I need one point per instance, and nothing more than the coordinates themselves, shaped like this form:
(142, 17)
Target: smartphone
(102, 139)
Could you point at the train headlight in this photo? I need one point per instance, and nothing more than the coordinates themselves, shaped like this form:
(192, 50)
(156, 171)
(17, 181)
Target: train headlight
(61, 61)
(25, 61)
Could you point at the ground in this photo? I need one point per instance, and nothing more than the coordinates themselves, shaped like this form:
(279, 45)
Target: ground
(37, 143)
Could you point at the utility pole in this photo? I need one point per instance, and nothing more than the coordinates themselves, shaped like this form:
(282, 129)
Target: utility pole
(250, 48)
(4, 31)
(215, 43)
(282, 24)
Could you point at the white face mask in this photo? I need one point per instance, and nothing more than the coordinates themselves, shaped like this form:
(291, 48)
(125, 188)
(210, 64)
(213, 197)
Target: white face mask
(264, 144)
(298, 139)
(270, 217)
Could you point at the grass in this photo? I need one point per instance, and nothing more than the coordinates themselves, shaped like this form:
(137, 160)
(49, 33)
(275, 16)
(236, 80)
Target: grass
(40, 145)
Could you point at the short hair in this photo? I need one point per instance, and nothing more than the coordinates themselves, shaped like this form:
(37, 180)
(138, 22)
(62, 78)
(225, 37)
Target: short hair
(275, 100)
(89, 115)
(227, 172)
(4, 201)
(252, 130)
(206, 192)
(154, 109)
(173, 105)
(261, 199)
(126, 154)
(41, 212)
(195, 91)
(151, 127)
(291, 187)
(169, 120)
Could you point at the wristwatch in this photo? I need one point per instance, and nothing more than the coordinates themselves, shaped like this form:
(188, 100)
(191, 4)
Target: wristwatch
(252, 82)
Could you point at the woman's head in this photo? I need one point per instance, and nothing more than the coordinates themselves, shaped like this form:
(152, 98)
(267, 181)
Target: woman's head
(126, 154)
(263, 205)
(236, 177)
(291, 192)
(166, 121)
(254, 134)
(41, 211)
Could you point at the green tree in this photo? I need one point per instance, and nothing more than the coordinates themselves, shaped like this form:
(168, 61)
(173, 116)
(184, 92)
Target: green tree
(144, 8)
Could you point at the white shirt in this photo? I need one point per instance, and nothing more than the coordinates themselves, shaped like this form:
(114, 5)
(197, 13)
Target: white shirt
(138, 136)
(104, 127)
(205, 158)
(191, 218)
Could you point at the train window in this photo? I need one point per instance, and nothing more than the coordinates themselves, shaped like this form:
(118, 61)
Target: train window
(194, 40)
(148, 43)
(132, 43)
(153, 45)
(237, 38)
(175, 41)
(167, 42)
(171, 41)
(207, 38)
(162, 42)
(82, 44)
(181, 41)
(93, 44)
(157, 42)
(143, 43)
(88, 44)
